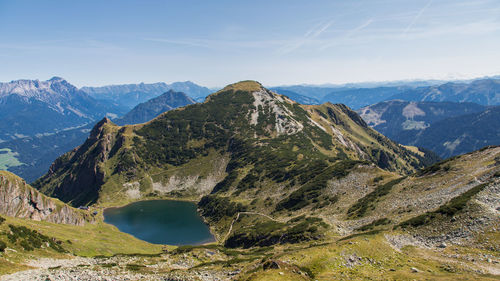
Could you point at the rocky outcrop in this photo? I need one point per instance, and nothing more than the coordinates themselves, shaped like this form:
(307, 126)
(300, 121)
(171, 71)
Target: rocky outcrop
(18, 199)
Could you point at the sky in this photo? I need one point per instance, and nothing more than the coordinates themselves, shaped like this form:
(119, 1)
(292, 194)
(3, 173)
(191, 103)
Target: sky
(276, 42)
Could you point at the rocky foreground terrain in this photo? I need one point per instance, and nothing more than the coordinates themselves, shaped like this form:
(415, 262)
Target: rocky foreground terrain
(18, 199)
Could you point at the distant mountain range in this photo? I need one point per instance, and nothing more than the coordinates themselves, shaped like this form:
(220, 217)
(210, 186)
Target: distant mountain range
(357, 98)
(30, 157)
(319, 92)
(130, 95)
(481, 91)
(485, 92)
(32, 107)
(40, 120)
(461, 134)
(296, 97)
(444, 127)
(148, 110)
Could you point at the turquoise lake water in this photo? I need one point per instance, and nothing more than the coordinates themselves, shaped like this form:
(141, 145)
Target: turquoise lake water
(161, 222)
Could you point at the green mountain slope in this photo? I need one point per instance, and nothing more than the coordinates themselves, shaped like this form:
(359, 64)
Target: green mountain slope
(242, 127)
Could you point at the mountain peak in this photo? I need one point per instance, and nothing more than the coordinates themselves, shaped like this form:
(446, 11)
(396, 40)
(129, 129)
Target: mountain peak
(247, 85)
(100, 127)
(56, 79)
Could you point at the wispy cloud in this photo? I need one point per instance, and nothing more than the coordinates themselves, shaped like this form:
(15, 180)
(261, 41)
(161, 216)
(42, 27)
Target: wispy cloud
(346, 35)
(215, 44)
(308, 37)
(184, 42)
(417, 16)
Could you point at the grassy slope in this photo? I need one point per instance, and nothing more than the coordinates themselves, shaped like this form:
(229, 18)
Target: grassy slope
(98, 239)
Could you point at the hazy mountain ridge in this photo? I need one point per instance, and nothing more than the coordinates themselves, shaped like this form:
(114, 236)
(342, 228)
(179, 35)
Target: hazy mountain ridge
(461, 134)
(130, 95)
(484, 91)
(295, 96)
(30, 107)
(36, 153)
(444, 127)
(357, 98)
(481, 91)
(146, 111)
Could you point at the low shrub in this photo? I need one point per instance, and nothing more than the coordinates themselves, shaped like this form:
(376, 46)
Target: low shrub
(373, 224)
(361, 207)
(449, 209)
(216, 207)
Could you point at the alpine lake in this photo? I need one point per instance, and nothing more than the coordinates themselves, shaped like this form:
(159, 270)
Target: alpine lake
(161, 222)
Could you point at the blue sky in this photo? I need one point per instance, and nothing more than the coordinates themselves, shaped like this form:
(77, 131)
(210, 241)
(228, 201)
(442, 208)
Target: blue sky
(276, 42)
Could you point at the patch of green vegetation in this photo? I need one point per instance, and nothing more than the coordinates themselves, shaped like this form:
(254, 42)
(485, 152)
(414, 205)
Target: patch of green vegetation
(216, 207)
(226, 183)
(436, 167)
(373, 224)
(377, 179)
(135, 267)
(9, 159)
(187, 248)
(314, 188)
(3, 246)
(271, 232)
(90, 240)
(371, 232)
(364, 204)
(108, 265)
(307, 270)
(2, 219)
(248, 182)
(449, 209)
(30, 239)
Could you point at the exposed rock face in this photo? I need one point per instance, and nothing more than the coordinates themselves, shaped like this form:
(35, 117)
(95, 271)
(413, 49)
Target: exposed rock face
(18, 199)
(90, 174)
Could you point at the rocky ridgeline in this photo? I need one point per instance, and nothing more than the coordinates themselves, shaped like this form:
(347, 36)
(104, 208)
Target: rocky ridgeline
(18, 199)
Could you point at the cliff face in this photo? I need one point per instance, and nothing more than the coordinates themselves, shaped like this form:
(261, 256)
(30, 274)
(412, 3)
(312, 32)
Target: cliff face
(18, 199)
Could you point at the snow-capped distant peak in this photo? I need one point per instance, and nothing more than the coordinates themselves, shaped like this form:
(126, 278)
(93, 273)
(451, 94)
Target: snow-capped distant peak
(50, 90)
